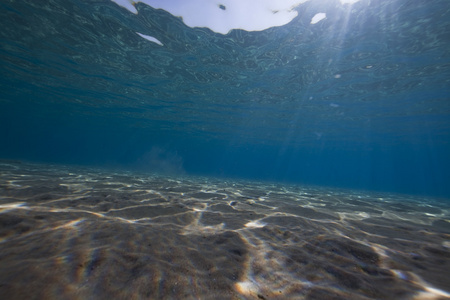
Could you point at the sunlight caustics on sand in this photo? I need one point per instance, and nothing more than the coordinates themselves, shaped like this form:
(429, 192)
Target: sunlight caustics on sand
(149, 236)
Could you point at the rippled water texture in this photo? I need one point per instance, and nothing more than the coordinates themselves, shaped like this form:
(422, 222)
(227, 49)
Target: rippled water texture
(294, 83)
(68, 233)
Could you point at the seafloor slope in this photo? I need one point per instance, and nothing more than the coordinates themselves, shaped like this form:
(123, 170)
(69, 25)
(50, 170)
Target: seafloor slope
(74, 233)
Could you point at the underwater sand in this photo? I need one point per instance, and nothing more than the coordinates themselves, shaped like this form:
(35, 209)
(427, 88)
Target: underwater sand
(76, 233)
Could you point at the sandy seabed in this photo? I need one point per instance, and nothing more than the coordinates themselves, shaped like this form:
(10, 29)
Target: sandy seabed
(77, 233)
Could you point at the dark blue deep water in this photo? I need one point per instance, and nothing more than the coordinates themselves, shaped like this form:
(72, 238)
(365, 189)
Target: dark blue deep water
(360, 100)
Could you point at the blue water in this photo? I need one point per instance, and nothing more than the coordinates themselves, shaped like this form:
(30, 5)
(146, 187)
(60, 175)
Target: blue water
(360, 100)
